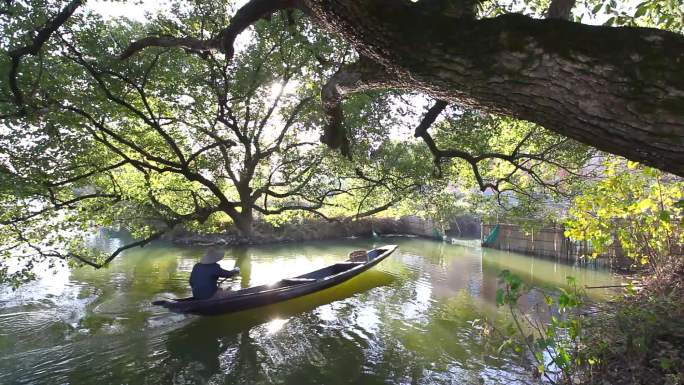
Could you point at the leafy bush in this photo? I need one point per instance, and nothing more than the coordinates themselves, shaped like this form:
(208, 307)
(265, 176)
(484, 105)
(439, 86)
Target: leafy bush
(637, 208)
(552, 344)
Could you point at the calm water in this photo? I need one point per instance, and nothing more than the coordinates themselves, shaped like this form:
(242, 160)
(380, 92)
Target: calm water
(407, 321)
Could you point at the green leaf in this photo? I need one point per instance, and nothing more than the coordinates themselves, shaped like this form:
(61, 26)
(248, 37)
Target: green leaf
(665, 216)
(640, 11)
(548, 299)
(500, 295)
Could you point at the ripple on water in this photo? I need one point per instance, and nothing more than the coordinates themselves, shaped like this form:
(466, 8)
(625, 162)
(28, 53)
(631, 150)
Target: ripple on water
(26, 318)
(406, 321)
(165, 320)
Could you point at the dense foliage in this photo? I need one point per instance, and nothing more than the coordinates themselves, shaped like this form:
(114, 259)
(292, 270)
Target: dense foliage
(188, 129)
(181, 131)
(636, 209)
(551, 334)
(167, 138)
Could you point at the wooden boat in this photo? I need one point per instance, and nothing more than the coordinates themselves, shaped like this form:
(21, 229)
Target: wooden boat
(281, 290)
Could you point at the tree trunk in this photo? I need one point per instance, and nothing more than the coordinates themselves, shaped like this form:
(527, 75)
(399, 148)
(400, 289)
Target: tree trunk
(244, 222)
(620, 90)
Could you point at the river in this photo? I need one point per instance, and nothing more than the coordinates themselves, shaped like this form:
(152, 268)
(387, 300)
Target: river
(406, 321)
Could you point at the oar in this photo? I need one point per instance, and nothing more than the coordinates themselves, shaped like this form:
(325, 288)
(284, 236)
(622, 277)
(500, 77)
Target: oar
(164, 301)
(220, 282)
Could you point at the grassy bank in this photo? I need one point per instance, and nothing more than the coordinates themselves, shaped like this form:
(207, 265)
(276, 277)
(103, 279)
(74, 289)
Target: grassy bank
(639, 339)
(635, 338)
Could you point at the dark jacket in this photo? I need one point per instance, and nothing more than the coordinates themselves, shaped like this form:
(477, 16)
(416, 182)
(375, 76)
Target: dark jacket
(204, 278)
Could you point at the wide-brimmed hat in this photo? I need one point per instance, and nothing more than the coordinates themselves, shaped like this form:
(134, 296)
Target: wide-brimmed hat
(212, 255)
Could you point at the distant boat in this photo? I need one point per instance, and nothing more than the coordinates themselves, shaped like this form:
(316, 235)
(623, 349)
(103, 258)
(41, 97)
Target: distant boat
(282, 290)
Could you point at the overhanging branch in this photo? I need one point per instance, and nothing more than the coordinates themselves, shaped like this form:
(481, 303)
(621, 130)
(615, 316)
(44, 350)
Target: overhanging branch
(616, 89)
(360, 76)
(247, 15)
(524, 162)
(560, 9)
(42, 36)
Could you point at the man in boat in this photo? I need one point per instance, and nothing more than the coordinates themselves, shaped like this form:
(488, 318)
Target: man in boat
(205, 275)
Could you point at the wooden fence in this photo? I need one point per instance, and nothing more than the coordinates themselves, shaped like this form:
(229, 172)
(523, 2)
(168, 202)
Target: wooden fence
(548, 241)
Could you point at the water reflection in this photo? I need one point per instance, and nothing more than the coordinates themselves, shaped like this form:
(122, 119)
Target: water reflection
(210, 345)
(406, 321)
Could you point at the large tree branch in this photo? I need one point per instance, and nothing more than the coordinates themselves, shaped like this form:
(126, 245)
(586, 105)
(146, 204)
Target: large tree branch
(519, 161)
(95, 171)
(377, 209)
(55, 205)
(247, 15)
(620, 90)
(121, 139)
(305, 173)
(189, 43)
(149, 118)
(250, 13)
(309, 208)
(41, 37)
(292, 118)
(98, 265)
(222, 143)
(98, 127)
(429, 118)
(560, 9)
(360, 76)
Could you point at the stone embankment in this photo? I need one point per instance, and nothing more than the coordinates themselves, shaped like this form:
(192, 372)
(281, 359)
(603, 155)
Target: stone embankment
(310, 230)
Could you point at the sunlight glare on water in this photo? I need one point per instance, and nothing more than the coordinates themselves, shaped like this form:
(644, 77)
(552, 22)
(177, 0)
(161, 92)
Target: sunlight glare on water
(406, 321)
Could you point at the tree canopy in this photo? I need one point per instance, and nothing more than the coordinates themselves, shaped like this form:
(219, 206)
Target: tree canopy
(207, 114)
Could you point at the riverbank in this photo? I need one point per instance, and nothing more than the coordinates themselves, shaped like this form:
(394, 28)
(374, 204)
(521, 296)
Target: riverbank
(636, 338)
(317, 230)
(639, 338)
